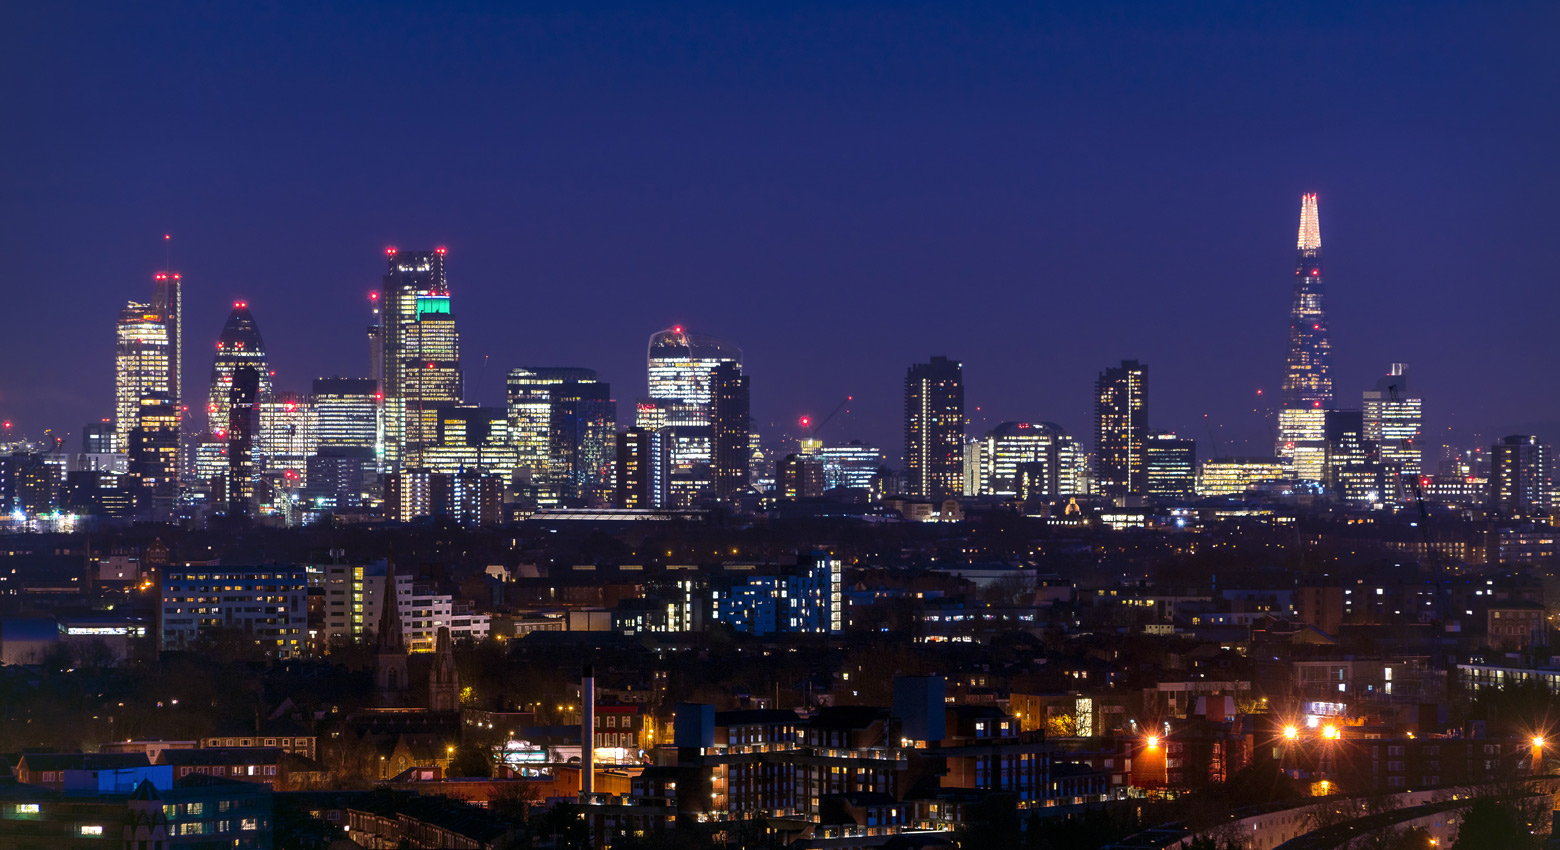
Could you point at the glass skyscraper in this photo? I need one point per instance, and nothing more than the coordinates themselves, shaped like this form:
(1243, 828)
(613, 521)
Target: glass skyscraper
(1307, 387)
(141, 366)
(681, 366)
(239, 345)
(420, 351)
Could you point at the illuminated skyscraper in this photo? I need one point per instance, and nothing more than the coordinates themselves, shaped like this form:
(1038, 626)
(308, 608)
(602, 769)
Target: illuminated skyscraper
(584, 443)
(242, 424)
(681, 366)
(1046, 450)
(239, 345)
(934, 428)
(1393, 419)
(529, 391)
(348, 411)
(1308, 386)
(168, 302)
(154, 453)
(288, 434)
(639, 477)
(1121, 428)
(141, 365)
(729, 422)
(420, 351)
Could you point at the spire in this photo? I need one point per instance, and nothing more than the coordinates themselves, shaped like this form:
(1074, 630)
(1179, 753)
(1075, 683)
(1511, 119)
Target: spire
(389, 635)
(1310, 226)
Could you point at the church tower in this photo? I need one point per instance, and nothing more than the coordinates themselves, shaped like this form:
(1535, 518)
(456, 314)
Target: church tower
(390, 684)
(443, 679)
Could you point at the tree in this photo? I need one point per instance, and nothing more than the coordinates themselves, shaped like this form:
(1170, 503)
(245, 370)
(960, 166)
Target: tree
(1493, 823)
(471, 760)
(513, 799)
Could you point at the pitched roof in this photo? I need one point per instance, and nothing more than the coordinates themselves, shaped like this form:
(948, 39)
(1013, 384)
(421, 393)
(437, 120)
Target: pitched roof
(83, 761)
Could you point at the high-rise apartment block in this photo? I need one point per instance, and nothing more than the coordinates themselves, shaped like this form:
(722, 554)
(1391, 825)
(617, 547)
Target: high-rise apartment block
(1121, 428)
(1520, 469)
(934, 428)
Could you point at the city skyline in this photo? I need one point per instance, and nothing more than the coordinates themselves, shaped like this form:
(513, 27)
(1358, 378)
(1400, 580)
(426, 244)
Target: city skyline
(1179, 260)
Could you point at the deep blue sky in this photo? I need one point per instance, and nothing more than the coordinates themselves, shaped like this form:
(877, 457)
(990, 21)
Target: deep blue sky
(841, 191)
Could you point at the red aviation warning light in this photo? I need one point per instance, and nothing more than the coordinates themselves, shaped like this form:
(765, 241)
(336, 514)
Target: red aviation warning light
(373, 296)
(440, 250)
(677, 329)
(805, 421)
(240, 305)
(389, 250)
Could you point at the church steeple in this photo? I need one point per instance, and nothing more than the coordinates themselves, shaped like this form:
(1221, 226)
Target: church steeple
(390, 685)
(443, 679)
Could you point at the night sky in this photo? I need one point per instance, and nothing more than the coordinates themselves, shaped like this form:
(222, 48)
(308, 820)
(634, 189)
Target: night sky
(841, 191)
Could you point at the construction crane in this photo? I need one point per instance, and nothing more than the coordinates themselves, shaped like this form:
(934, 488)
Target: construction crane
(809, 440)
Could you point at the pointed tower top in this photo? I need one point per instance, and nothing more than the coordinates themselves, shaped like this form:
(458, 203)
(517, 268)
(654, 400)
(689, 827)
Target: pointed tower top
(389, 636)
(1310, 226)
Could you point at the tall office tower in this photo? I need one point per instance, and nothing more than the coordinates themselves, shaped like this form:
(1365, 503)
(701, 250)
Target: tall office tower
(529, 390)
(154, 453)
(583, 425)
(347, 410)
(414, 293)
(1393, 419)
(639, 476)
(1520, 468)
(1170, 470)
(243, 421)
(140, 366)
(934, 428)
(430, 377)
(1307, 384)
(168, 302)
(681, 366)
(239, 345)
(1121, 427)
(730, 452)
